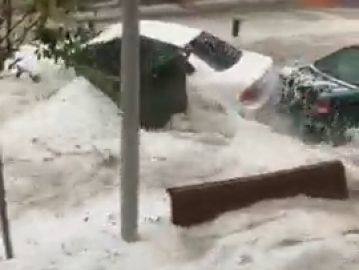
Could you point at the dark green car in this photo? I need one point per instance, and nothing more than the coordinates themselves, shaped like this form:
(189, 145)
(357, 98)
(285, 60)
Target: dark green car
(323, 98)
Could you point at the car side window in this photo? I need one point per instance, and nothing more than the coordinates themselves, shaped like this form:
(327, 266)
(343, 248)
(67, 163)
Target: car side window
(164, 58)
(343, 65)
(217, 53)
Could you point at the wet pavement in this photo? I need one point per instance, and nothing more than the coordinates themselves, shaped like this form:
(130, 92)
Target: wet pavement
(287, 35)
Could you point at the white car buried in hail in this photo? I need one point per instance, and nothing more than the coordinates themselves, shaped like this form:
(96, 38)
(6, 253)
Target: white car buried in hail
(236, 79)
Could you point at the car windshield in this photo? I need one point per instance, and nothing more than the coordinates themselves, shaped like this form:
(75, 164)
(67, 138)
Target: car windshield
(215, 52)
(342, 65)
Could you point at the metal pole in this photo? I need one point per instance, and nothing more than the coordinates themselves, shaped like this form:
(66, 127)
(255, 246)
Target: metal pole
(130, 123)
(4, 216)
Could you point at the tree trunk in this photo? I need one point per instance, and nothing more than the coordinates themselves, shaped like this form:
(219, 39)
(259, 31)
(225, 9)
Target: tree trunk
(8, 24)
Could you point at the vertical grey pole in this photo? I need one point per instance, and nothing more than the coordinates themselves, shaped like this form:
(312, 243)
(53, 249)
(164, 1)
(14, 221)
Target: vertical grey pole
(130, 123)
(4, 216)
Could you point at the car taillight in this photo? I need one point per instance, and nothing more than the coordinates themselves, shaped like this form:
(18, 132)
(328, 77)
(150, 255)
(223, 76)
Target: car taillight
(249, 96)
(323, 106)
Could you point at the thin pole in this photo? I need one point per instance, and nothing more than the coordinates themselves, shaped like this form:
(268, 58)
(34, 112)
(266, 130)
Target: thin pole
(4, 216)
(130, 122)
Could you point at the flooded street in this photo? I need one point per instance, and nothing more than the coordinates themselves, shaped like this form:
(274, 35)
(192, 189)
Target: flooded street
(62, 164)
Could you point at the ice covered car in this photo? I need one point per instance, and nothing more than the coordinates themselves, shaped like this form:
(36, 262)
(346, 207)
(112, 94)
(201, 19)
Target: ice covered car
(322, 98)
(214, 69)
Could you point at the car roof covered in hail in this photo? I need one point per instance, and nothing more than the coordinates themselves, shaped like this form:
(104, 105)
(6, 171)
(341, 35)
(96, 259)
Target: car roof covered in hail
(172, 33)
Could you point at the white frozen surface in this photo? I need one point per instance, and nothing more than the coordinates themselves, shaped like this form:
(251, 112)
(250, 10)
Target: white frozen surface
(51, 75)
(171, 33)
(61, 166)
(70, 118)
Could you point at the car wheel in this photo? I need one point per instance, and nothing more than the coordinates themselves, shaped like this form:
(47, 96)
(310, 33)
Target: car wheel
(308, 133)
(335, 132)
(335, 137)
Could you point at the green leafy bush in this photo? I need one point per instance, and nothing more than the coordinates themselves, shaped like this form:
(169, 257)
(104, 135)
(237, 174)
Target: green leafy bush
(69, 48)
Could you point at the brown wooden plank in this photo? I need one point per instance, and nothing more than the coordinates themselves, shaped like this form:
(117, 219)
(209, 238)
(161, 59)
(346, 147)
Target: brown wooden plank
(195, 204)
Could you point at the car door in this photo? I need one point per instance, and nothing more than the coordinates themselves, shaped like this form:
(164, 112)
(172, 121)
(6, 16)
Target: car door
(163, 82)
(162, 77)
